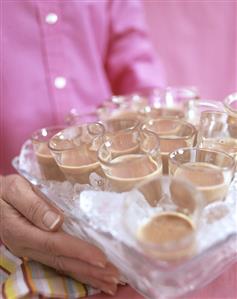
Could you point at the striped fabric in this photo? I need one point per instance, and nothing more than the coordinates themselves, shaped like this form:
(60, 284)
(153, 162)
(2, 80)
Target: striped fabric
(21, 278)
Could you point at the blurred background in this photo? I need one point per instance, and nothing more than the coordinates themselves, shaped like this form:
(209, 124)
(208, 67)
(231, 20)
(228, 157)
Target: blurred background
(197, 42)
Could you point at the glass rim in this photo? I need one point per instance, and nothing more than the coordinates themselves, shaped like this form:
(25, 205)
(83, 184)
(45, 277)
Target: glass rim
(229, 100)
(184, 122)
(53, 149)
(124, 98)
(213, 112)
(134, 127)
(195, 149)
(191, 90)
(166, 247)
(198, 197)
(37, 133)
(207, 102)
(78, 115)
(108, 163)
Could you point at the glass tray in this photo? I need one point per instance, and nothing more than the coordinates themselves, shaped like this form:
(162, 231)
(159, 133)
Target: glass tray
(90, 215)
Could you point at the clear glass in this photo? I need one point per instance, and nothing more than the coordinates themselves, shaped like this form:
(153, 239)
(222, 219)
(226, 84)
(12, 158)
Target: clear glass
(117, 125)
(101, 222)
(209, 170)
(74, 118)
(168, 231)
(129, 157)
(75, 151)
(111, 126)
(48, 167)
(171, 102)
(218, 130)
(230, 104)
(173, 134)
(124, 106)
(194, 109)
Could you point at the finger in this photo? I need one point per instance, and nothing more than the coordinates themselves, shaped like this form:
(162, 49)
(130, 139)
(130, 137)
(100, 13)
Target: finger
(108, 288)
(18, 232)
(19, 194)
(62, 244)
(99, 278)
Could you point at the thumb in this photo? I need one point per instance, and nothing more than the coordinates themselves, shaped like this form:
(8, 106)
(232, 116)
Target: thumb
(19, 194)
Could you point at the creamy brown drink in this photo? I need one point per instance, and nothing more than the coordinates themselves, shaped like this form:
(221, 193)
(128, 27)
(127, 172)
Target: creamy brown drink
(78, 165)
(168, 229)
(124, 172)
(155, 113)
(168, 145)
(227, 145)
(126, 114)
(75, 151)
(208, 178)
(48, 167)
(173, 134)
(123, 144)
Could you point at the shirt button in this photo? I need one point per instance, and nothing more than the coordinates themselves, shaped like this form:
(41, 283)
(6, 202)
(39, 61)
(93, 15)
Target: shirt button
(60, 82)
(51, 18)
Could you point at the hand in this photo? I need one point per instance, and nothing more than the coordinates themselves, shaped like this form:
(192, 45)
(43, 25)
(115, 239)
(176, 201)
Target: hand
(30, 227)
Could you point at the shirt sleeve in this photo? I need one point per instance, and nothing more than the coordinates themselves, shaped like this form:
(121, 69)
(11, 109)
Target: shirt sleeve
(131, 61)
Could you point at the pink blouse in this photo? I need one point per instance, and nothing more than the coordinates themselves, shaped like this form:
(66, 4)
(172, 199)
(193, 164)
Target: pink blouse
(59, 55)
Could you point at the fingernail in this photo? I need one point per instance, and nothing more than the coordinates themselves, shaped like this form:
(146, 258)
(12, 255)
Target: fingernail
(115, 280)
(51, 219)
(99, 264)
(110, 292)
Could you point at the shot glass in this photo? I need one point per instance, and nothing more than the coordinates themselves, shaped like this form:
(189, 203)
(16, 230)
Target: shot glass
(230, 104)
(74, 118)
(75, 151)
(209, 170)
(194, 109)
(48, 167)
(167, 230)
(171, 102)
(218, 131)
(173, 134)
(129, 106)
(129, 157)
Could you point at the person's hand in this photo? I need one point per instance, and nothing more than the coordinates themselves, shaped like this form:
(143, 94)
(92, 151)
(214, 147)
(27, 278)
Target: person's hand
(30, 227)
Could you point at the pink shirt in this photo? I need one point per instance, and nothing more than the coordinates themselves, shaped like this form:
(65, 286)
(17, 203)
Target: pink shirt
(197, 41)
(59, 55)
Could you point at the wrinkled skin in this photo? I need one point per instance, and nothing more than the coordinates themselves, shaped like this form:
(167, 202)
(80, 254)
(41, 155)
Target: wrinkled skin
(30, 227)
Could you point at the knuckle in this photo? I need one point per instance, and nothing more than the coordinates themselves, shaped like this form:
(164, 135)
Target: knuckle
(34, 210)
(58, 263)
(6, 233)
(5, 228)
(50, 247)
(10, 235)
(12, 182)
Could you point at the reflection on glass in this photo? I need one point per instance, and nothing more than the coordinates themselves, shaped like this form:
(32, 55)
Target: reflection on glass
(129, 157)
(210, 171)
(173, 134)
(218, 131)
(48, 167)
(167, 230)
(75, 151)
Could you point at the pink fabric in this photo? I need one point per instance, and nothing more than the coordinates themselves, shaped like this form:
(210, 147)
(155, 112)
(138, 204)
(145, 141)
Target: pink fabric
(99, 47)
(197, 41)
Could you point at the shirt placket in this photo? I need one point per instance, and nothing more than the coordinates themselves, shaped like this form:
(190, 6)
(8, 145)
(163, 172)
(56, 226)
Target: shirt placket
(50, 18)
